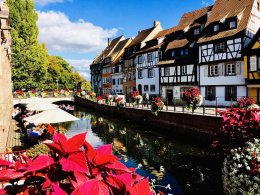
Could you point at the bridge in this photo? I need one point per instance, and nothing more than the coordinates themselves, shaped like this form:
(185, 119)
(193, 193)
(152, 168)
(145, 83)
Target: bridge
(46, 99)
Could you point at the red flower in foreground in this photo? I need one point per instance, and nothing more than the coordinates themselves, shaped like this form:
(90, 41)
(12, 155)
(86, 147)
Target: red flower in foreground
(85, 170)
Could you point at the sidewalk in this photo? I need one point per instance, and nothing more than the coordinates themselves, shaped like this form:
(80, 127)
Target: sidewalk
(10, 138)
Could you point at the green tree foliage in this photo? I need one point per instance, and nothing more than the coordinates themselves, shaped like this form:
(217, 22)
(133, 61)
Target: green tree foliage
(32, 66)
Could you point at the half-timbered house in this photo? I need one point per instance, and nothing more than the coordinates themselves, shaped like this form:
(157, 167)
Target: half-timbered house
(96, 74)
(252, 68)
(130, 60)
(229, 28)
(117, 75)
(178, 65)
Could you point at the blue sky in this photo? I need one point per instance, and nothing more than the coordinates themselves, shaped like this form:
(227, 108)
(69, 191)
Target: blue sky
(78, 30)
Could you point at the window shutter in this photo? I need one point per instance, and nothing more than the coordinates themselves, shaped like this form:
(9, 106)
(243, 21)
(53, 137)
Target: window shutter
(238, 68)
(206, 72)
(220, 69)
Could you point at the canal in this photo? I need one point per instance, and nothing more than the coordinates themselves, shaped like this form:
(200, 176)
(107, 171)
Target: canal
(187, 167)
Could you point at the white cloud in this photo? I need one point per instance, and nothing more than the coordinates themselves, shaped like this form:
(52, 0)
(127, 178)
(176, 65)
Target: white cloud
(61, 34)
(45, 2)
(82, 66)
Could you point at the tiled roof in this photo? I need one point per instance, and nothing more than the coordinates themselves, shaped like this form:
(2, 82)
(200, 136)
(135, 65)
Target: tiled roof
(163, 33)
(177, 44)
(107, 51)
(223, 9)
(189, 18)
(149, 49)
(141, 36)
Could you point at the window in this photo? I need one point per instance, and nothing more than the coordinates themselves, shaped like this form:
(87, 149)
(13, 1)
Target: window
(213, 70)
(167, 71)
(152, 87)
(140, 74)
(230, 93)
(179, 36)
(139, 59)
(150, 73)
(173, 53)
(184, 52)
(184, 70)
(149, 57)
(216, 28)
(220, 47)
(210, 93)
(114, 81)
(145, 87)
(230, 69)
(196, 31)
(232, 24)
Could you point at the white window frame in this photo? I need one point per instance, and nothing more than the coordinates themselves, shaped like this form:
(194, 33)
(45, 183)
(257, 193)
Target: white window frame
(196, 31)
(146, 88)
(139, 60)
(173, 53)
(150, 72)
(140, 74)
(213, 70)
(216, 28)
(149, 57)
(184, 70)
(232, 24)
(230, 69)
(220, 47)
(167, 71)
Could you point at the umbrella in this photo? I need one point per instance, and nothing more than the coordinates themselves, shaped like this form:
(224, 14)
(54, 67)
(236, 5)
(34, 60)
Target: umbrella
(32, 100)
(41, 106)
(51, 116)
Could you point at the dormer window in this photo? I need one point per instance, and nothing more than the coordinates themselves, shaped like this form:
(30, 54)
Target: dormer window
(184, 52)
(196, 31)
(232, 24)
(173, 53)
(216, 28)
(180, 36)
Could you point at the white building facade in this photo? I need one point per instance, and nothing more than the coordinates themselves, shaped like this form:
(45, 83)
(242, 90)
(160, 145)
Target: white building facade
(117, 79)
(147, 73)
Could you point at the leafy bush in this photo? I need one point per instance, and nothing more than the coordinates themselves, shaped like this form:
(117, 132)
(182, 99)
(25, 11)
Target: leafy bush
(192, 98)
(238, 126)
(74, 167)
(242, 170)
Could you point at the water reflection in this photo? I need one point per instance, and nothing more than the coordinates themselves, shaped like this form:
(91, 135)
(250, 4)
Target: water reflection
(187, 168)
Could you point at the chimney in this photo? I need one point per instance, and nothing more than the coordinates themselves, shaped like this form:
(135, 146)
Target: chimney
(108, 41)
(156, 23)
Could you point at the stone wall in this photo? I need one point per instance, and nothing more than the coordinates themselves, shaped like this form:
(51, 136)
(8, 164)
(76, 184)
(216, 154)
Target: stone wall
(196, 127)
(6, 99)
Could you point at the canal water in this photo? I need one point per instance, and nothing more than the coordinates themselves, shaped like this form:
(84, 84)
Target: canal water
(188, 168)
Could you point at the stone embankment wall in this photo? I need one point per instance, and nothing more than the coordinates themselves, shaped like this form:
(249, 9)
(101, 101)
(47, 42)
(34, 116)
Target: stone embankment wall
(191, 126)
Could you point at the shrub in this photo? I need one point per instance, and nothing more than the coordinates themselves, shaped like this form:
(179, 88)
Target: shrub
(74, 168)
(242, 169)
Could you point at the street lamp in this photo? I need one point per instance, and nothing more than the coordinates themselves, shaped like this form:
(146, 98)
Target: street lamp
(57, 84)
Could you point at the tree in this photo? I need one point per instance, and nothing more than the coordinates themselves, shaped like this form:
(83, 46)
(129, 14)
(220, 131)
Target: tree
(32, 66)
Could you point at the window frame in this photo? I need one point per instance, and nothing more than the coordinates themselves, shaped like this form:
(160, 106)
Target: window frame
(146, 87)
(230, 69)
(210, 93)
(216, 28)
(184, 70)
(152, 88)
(167, 70)
(234, 24)
(220, 47)
(149, 57)
(196, 31)
(139, 59)
(150, 73)
(213, 70)
(140, 74)
(229, 90)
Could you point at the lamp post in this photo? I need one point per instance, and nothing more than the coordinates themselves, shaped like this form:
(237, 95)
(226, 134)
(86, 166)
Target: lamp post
(57, 84)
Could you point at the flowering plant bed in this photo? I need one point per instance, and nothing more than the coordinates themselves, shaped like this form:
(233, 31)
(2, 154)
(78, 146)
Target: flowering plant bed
(32, 93)
(192, 98)
(99, 99)
(92, 94)
(74, 167)
(241, 172)
(157, 105)
(56, 93)
(20, 94)
(67, 93)
(44, 93)
(119, 101)
(136, 97)
(247, 103)
(109, 98)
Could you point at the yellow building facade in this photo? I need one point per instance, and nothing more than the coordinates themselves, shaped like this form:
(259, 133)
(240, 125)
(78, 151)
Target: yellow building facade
(252, 68)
